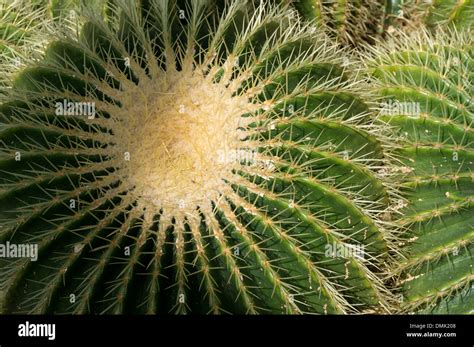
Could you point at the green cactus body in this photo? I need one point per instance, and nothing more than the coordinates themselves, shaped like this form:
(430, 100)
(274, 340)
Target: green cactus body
(230, 166)
(21, 28)
(350, 21)
(432, 81)
(416, 15)
(458, 13)
(17, 25)
(67, 9)
(25, 31)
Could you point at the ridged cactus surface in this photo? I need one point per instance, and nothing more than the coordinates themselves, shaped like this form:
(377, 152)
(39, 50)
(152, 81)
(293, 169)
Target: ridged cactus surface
(229, 166)
(458, 13)
(21, 29)
(426, 81)
(352, 22)
(415, 15)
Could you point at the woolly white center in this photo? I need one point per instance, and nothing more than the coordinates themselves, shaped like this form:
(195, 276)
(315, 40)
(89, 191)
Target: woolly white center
(181, 135)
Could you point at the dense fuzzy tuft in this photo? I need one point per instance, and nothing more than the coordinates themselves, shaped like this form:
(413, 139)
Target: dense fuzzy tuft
(230, 166)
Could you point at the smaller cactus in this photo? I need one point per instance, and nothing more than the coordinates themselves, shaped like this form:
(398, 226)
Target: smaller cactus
(61, 10)
(458, 13)
(429, 80)
(26, 28)
(351, 22)
(22, 36)
(417, 14)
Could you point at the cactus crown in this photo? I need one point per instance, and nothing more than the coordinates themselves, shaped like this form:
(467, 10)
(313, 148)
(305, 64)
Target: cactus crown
(225, 162)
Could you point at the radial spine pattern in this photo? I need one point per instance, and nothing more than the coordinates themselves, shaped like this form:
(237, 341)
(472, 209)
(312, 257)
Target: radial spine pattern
(191, 158)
